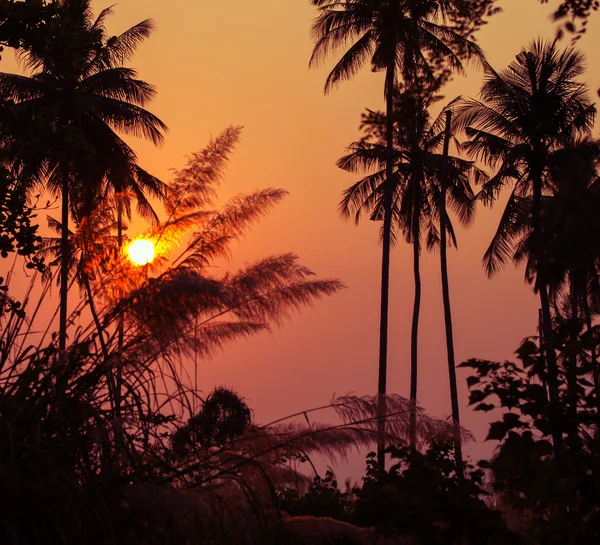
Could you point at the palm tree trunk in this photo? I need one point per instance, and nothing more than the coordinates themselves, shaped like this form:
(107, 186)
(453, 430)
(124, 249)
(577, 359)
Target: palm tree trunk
(572, 369)
(64, 265)
(446, 300)
(552, 369)
(119, 247)
(542, 350)
(385, 266)
(414, 336)
(551, 362)
(120, 330)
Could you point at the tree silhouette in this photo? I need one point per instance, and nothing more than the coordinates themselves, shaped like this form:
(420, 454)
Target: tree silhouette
(406, 39)
(81, 89)
(446, 298)
(418, 140)
(569, 213)
(24, 22)
(527, 113)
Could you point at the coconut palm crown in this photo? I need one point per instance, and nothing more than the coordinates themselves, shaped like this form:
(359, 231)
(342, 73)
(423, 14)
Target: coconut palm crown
(79, 96)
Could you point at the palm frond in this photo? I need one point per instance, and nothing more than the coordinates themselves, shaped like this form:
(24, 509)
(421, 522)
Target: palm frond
(512, 224)
(120, 49)
(121, 84)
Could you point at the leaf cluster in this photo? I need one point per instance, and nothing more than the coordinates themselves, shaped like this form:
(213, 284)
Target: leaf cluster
(23, 23)
(421, 496)
(546, 499)
(18, 231)
(322, 499)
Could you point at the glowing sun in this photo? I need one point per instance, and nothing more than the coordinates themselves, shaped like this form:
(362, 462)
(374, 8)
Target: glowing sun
(141, 252)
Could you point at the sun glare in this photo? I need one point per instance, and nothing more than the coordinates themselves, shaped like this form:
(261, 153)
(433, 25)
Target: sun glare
(141, 252)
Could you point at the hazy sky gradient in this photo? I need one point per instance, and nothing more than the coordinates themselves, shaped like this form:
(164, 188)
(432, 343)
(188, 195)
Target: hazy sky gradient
(246, 63)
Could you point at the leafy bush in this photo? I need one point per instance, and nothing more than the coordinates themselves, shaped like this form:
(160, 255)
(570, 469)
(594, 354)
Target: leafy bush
(322, 499)
(547, 500)
(421, 496)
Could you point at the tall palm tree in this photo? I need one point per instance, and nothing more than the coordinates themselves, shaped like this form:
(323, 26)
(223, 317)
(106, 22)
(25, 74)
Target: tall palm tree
(527, 113)
(446, 298)
(80, 84)
(404, 39)
(416, 201)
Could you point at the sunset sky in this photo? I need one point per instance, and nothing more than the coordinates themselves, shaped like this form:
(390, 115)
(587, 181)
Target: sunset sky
(246, 63)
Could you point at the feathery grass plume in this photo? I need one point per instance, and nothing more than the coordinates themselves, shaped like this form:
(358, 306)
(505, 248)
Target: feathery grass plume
(363, 410)
(184, 308)
(113, 429)
(91, 246)
(194, 186)
(282, 440)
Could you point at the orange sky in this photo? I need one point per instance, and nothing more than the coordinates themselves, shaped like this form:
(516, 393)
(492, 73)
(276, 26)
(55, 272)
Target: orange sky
(240, 62)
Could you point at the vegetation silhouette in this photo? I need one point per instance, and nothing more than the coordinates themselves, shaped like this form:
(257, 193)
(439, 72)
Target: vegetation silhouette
(82, 90)
(528, 113)
(544, 501)
(108, 440)
(120, 459)
(407, 40)
(418, 163)
(569, 216)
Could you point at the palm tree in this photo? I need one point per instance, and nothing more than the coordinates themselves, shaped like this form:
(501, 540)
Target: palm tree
(570, 213)
(446, 299)
(81, 86)
(527, 113)
(417, 189)
(403, 38)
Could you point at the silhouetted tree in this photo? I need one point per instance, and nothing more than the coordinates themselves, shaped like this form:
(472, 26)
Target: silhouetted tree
(405, 39)
(420, 497)
(223, 418)
(417, 191)
(24, 22)
(570, 212)
(446, 298)
(79, 84)
(553, 502)
(527, 112)
(18, 231)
